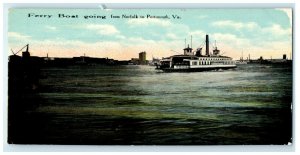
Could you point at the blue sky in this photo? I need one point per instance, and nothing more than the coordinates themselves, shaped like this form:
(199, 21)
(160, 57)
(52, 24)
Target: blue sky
(258, 32)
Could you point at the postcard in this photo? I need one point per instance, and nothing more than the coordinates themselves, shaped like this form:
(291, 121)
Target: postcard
(150, 76)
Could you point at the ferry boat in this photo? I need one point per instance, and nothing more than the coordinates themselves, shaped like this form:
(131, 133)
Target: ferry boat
(190, 62)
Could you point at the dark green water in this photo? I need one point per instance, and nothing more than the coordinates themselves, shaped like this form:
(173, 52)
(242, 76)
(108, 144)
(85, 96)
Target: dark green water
(138, 105)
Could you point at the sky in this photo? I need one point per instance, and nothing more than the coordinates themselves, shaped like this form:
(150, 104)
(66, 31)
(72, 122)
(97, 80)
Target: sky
(236, 32)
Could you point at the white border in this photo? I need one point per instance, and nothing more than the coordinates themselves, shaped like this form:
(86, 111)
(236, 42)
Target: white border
(163, 4)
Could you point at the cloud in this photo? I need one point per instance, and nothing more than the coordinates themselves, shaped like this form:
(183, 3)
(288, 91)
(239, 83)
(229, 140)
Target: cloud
(234, 24)
(233, 45)
(18, 36)
(156, 48)
(288, 12)
(230, 40)
(198, 36)
(120, 37)
(198, 33)
(180, 30)
(171, 36)
(103, 29)
(202, 17)
(277, 30)
(50, 27)
(146, 22)
(272, 32)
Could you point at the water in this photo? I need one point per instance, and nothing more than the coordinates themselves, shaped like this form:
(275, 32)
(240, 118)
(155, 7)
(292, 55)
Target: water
(139, 105)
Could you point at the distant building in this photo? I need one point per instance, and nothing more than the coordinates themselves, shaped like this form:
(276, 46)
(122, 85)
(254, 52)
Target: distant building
(142, 58)
(284, 56)
(261, 60)
(134, 61)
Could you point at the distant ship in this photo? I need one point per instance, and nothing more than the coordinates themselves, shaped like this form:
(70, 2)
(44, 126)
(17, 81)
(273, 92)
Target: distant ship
(188, 62)
(239, 62)
(242, 61)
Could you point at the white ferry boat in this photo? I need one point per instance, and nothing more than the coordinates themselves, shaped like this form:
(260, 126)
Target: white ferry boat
(189, 62)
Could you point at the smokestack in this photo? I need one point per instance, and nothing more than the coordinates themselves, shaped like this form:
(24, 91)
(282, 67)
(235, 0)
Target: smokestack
(207, 45)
